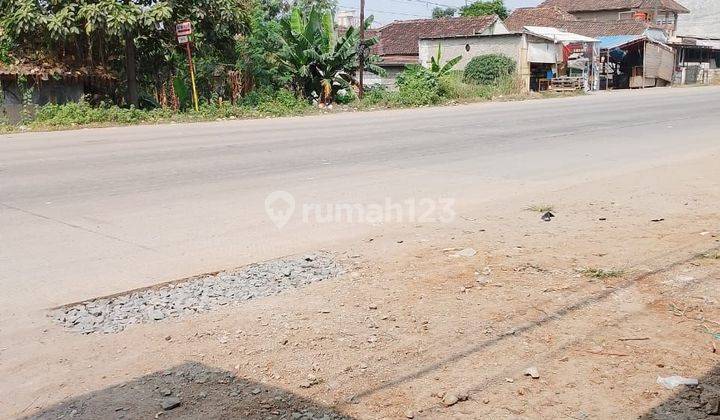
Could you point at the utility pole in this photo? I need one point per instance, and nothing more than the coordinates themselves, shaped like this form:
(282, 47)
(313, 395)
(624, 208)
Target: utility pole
(361, 48)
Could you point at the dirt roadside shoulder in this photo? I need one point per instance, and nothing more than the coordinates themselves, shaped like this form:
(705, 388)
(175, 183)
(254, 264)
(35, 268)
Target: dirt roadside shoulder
(416, 329)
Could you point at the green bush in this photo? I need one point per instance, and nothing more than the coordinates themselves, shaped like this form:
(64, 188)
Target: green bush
(487, 69)
(345, 96)
(82, 113)
(378, 96)
(418, 86)
(283, 102)
(454, 87)
(259, 104)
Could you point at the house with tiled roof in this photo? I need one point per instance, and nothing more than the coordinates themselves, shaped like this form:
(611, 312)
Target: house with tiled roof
(539, 53)
(554, 17)
(537, 16)
(657, 12)
(398, 41)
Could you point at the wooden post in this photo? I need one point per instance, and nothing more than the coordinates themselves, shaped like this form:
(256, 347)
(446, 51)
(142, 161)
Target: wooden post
(644, 61)
(133, 97)
(192, 76)
(361, 56)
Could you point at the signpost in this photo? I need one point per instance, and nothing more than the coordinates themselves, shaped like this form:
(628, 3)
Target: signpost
(183, 30)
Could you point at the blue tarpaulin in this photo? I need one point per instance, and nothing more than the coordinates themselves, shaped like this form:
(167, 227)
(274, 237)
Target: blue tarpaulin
(612, 43)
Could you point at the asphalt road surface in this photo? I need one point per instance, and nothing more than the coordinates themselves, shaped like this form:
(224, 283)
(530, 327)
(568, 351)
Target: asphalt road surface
(93, 212)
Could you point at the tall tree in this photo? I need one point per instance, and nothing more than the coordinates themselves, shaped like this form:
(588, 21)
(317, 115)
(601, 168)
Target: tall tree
(139, 31)
(258, 50)
(484, 8)
(322, 5)
(440, 12)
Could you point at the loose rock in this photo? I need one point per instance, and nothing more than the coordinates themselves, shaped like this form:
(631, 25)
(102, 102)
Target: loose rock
(170, 403)
(533, 372)
(467, 252)
(450, 399)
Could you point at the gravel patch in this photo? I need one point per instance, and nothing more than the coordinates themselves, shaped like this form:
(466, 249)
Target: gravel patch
(198, 294)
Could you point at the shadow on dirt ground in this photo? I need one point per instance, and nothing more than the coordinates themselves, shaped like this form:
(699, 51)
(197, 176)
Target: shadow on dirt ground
(201, 391)
(700, 402)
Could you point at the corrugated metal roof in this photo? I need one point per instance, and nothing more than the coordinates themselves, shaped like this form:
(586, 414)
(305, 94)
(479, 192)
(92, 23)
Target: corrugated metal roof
(611, 42)
(557, 35)
(615, 41)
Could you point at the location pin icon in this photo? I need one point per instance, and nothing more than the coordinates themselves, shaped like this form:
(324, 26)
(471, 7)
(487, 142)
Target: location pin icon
(280, 206)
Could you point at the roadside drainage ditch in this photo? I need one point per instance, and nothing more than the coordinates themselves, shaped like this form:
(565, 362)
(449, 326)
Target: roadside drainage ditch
(197, 294)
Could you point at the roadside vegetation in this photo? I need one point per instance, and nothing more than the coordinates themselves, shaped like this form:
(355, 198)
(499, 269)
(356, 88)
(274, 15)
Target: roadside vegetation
(253, 59)
(600, 273)
(712, 255)
(540, 208)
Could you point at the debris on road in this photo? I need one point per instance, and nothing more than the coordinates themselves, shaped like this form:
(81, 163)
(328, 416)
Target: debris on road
(467, 252)
(672, 382)
(533, 372)
(311, 381)
(547, 217)
(198, 294)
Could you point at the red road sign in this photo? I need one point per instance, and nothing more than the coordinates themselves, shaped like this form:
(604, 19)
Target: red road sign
(183, 29)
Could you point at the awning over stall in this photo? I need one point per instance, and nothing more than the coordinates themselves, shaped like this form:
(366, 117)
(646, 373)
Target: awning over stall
(610, 42)
(637, 59)
(556, 35)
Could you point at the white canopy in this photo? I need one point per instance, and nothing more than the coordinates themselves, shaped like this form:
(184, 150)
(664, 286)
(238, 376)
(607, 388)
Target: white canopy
(556, 35)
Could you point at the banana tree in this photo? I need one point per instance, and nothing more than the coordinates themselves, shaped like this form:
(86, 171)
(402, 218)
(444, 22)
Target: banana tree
(320, 62)
(439, 69)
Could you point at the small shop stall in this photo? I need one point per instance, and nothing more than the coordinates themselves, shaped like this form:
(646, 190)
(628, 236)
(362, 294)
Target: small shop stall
(698, 60)
(574, 67)
(632, 62)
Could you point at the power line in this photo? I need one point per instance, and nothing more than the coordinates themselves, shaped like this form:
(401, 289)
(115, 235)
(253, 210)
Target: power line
(353, 8)
(426, 3)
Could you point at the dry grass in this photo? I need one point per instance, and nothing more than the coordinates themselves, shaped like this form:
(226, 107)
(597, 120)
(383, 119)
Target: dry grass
(599, 273)
(713, 255)
(540, 208)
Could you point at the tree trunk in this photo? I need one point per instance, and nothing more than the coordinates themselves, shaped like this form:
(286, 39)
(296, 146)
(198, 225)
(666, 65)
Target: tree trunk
(131, 70)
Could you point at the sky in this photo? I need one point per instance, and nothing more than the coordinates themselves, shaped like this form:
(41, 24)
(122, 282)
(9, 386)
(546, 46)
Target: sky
(386, 11)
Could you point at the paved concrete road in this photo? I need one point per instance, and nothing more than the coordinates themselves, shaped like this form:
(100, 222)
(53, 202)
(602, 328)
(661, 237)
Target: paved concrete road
(93, 212)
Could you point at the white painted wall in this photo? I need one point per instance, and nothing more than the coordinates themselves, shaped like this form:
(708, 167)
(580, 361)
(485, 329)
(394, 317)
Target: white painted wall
(509, 45)
(388, 80)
